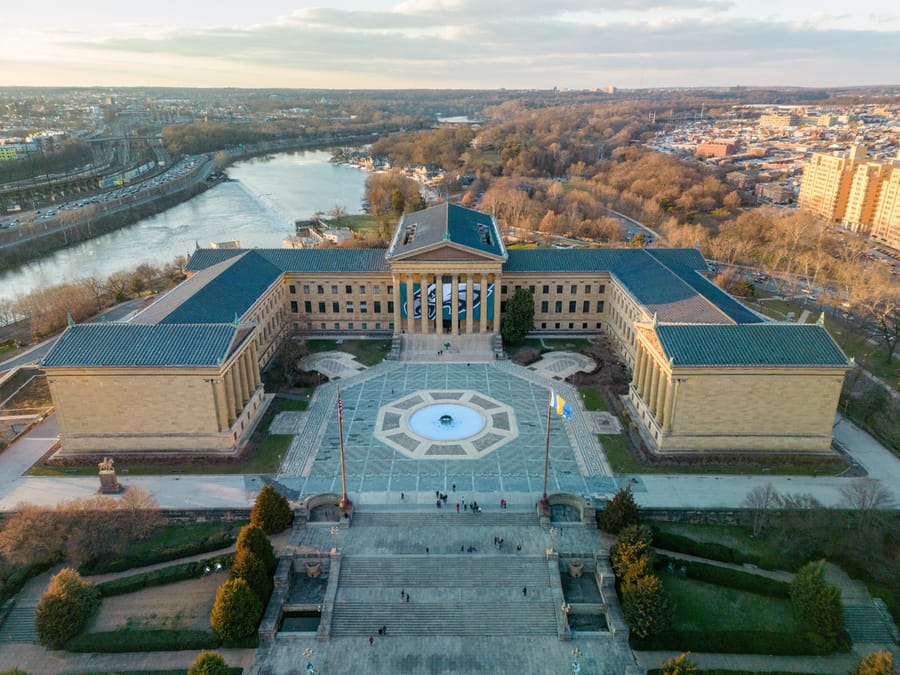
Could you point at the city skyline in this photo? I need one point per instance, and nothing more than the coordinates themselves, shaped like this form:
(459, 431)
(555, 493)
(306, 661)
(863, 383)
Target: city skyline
(452, 44)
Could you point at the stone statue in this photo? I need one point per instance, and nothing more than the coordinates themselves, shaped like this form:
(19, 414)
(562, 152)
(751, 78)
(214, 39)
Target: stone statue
(109, 485)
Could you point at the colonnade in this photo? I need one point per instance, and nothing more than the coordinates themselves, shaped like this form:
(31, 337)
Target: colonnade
(655, 387)
(236, 387)
(423, 324)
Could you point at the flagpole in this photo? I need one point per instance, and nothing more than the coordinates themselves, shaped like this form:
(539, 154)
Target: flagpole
(544, 502)
(345, 501)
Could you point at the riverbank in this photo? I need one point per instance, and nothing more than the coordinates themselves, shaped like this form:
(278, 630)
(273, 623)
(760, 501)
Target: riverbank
(17, 252)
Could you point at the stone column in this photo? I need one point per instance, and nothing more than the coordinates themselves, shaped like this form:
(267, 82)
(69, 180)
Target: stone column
(439, 303)
(454, 303)
(661, 396)
(469, 294)
(254, 365)
(647, 377)
(482, 321)
(248, 374)
(398, 327)
(669, 406)
(639, 367)
(221, 405)
(496, 303)
(229, 395)
(424, 303)
(240, 389)
(410, 304)
(654, 387)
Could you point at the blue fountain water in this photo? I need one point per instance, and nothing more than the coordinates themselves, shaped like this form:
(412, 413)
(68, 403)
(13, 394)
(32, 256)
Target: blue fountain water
(446, 422)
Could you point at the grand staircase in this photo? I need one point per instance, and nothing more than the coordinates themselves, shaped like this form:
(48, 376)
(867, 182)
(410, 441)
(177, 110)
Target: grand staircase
(478, 595)
(19, 624)
(865, 625)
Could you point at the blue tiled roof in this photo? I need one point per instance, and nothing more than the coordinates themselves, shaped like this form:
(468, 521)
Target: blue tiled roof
(762, 344)
(566, 260)
(123, 344)
(300, 259)
(447, 222)
(231, 293)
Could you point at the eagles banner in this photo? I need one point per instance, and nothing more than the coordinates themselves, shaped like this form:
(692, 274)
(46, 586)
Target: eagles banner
(446, 301)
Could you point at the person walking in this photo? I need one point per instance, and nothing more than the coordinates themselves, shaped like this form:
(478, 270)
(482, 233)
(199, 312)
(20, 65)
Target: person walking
(524, 591)
(371, 640)
(457, 507)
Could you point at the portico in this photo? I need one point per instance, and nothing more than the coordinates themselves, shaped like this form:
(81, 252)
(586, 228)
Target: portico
(446, 266)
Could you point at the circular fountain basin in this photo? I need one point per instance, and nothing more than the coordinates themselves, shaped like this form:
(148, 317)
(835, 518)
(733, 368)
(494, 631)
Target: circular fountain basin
(446, 422)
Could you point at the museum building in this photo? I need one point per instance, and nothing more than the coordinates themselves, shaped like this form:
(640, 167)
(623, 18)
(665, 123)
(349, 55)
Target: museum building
(183, 375)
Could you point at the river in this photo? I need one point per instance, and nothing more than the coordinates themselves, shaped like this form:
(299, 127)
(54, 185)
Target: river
(257, 207)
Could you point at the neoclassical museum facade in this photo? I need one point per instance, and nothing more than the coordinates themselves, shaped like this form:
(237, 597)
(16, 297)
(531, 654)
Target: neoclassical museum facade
(183, 375)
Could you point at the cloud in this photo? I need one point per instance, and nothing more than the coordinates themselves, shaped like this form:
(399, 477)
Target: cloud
(468, 43)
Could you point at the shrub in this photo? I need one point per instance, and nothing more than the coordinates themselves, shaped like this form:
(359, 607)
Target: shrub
(125, 641)
(701, 549)
(162, 576)
(65, 608)
(876, 663)
(679, 665)
(734, 642)
(646, 606)
(620, 512)
(725, 576)
(817, 602)
(212, 542)
(209, 663)
(271, 511)
(253, 539)
(237, 610)
(248, 567)
(631, 556)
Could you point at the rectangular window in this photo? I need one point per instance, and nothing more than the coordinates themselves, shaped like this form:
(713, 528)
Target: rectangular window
(545, 306)
(337, 326)
(586, 306)
(558, 306)
(377, 308)
(365, 326)
(322, 325)
(320, 289)
(574, 289)
(545, 289)
(543, 325)
(362, 290)
(531, 289)
(503, 289)
(503, 306)
(363, 307)
(587, 289)
(557, 325)
(349, 307)
(601, 289)
(390, 289)
(377, 326)
(584, 325)
(336, 307)
(571, 325)
(348, 289)
(376, 290)
(334, 290)
(391, 325)
(598, 325)
(390, 306)
(559, 289)
(321, 307)
(572, 305)
(600, 305)
(294, 306)
(292, 288)
(306, 289)
(307, 306)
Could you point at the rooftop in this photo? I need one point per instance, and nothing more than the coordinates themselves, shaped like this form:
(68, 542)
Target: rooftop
(447, 222)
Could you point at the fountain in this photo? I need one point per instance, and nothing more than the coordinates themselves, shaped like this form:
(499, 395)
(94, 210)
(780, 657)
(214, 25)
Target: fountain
(446, 421)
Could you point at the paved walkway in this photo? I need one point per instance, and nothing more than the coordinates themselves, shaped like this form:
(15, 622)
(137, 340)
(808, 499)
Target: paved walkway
(333, 365)
(560, 365)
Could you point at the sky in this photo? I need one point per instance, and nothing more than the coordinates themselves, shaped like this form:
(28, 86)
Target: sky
(479, 44)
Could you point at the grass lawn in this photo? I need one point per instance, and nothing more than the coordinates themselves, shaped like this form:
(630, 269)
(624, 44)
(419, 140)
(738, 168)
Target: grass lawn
(700, 606)
(180, 535)
(623, 462)
(367, 352)
(593, 399)
(731, 536)
(870, 356)
(293, 404)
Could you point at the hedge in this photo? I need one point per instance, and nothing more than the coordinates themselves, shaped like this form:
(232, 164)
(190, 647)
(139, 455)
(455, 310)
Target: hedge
(176, 671)
(124, 641)
(725, 576)
(735, 642)
(716, 671)
(205, 545)
(162, 576)
(712, 550)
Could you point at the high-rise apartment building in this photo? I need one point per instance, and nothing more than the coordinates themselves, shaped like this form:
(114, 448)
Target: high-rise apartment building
(863, 195)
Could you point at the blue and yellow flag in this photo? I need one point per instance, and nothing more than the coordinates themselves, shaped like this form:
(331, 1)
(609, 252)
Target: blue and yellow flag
(562, 407)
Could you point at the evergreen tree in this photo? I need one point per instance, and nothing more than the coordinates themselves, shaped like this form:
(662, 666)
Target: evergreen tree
(253, 539)
(236, 612)
(251, 569)
(620, 512)
(209, 663)
(65, 608)
(646, 606)
(817, 602)
(519, 316)
(271, 511)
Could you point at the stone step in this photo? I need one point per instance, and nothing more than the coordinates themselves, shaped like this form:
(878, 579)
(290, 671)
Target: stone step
(531, 617)
(19, 625)
(444, 571)
(447, 516)
(865, 625)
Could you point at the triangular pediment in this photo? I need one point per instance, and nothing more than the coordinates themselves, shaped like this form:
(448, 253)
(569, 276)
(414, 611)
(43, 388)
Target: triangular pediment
(445, 250)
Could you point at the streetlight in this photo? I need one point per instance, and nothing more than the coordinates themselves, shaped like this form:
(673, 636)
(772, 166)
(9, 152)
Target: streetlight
(334, 533)
(553, 532)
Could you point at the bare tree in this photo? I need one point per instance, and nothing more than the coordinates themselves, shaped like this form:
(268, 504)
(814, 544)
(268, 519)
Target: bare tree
(142, 515)
(760, 500)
